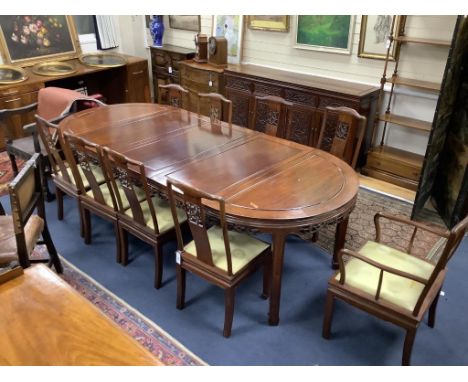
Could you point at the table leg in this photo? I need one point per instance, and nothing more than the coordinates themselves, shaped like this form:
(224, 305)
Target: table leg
(276, 269)
(340, 237)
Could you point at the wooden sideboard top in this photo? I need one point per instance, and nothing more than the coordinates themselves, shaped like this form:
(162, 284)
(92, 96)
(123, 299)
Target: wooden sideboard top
(306, 80)
(174, 49)
(36, 81)
(202, 66)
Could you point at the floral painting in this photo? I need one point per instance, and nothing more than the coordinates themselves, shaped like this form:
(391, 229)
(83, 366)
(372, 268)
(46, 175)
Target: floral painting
(28, 39)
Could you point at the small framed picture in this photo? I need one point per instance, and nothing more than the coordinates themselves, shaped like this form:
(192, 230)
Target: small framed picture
(186, 22)
(274, 23)
(374, 34)
(230, 27)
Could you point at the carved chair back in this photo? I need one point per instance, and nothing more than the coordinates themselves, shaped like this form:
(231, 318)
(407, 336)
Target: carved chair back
(127, 174)
(191, 201)
(173, 95)
(26, 195)
(344, 138)
(219, 108)
(88, 157)
(270, 115)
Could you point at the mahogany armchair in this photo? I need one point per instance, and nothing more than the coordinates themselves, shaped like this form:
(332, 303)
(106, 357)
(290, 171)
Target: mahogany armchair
(221, 257)
(394, 285)
(270, 115)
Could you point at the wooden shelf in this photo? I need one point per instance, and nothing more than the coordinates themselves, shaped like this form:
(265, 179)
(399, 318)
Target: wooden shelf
(406, 121)
(426, 41)
(426, 85)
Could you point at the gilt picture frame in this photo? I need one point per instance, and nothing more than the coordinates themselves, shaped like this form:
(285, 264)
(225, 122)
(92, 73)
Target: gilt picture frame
(374, 34)
(325, 33)
(274, 23)
(230, 27)
(185, 22)
(27, 40)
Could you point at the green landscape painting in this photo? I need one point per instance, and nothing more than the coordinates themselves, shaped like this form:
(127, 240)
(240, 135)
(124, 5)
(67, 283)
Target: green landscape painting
(328, 31)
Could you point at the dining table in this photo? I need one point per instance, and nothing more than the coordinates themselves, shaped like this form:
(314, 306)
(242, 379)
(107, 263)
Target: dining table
(271, 185)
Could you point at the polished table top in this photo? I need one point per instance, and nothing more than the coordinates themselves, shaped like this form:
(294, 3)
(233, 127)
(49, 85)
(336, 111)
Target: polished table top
(270, 184)
(44, 321)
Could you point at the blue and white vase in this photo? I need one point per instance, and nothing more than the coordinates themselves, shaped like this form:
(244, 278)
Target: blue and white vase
(157, 30)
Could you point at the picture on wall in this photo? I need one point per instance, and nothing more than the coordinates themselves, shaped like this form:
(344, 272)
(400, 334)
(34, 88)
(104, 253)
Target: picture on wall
(326, 33)
(26, 40)
(231, 28)
(185, 22)
(275, 23)
(374, 34)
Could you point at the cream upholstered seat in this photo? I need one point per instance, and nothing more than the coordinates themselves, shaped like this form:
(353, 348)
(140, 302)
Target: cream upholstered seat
(244, 249)
(163, 213)
(106, 193)
(398, 290)
(96, 170)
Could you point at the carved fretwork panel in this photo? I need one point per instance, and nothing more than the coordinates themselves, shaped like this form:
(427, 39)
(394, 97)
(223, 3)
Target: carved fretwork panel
(266, 119)
(194, 214)
(296, 96)
(301, 128)
(238, 83)
(330, 131)
(265, 89)
(240, 107)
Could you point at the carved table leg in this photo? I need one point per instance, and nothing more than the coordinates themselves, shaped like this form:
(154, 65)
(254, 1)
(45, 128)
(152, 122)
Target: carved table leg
(340, 237)
(277, 269)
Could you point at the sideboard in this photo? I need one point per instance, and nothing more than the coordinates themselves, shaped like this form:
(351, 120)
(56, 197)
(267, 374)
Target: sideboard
(310, 95)
(129, 83)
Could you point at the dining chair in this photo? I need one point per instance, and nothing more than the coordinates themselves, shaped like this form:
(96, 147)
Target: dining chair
(342, 132)
(221, 257)
(219, 108)
(391, 284)
(173, 95)
(20, 232)
(270, 115)
(86, 162)
(140, 213)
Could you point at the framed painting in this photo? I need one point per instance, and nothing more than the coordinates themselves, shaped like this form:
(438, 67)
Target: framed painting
(325, 33)
(26, 40)
(230, 27)
(187, 23)
(273, 23)
(374, 34)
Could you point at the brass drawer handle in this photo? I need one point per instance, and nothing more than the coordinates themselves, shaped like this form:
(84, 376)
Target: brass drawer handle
(139, 72)
(12, 100)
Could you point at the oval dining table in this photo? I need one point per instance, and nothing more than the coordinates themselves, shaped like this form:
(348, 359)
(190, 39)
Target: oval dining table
(270, 184)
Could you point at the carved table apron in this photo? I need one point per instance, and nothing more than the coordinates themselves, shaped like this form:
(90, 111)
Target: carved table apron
(270, 184)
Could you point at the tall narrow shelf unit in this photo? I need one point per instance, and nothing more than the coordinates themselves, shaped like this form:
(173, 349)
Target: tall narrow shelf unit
(389, 163)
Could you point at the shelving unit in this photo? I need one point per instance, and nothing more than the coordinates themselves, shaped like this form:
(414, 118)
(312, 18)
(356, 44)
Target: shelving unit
(388, 163)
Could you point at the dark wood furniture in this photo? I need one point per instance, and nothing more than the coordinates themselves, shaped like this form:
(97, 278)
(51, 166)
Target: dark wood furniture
(129, 83)
(165, 64)
(311, 187)
(270, 115)
(21, 231)
(309, 94)
(219, 108)
(200, 78)
(44, 321)
(393, 285)
(172, 94)
(344, 141)
(215, 254)
(142, 214)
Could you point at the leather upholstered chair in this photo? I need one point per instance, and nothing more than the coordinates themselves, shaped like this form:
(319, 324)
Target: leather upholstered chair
(140, 213)
(20, 232)
(270, 115)
(173, 95)
(342, 138)
(221, 257)
(394, 285)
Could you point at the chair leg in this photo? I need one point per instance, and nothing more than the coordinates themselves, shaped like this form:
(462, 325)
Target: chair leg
(80, 213)
(54, 257)
(181, 277)
(14, 166)
(86, 225)
(408, 346)
(266, 277)
(59, 194)
(328, 315)
(118, 242)
(123, 246)
(432, 310)
(158, 264)
(315, 236)
(229, 294)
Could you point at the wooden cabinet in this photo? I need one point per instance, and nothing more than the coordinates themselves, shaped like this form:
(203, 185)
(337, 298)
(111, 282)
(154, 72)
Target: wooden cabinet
(165, 64)
(129, 83)
(200, 78)
(309, 94)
